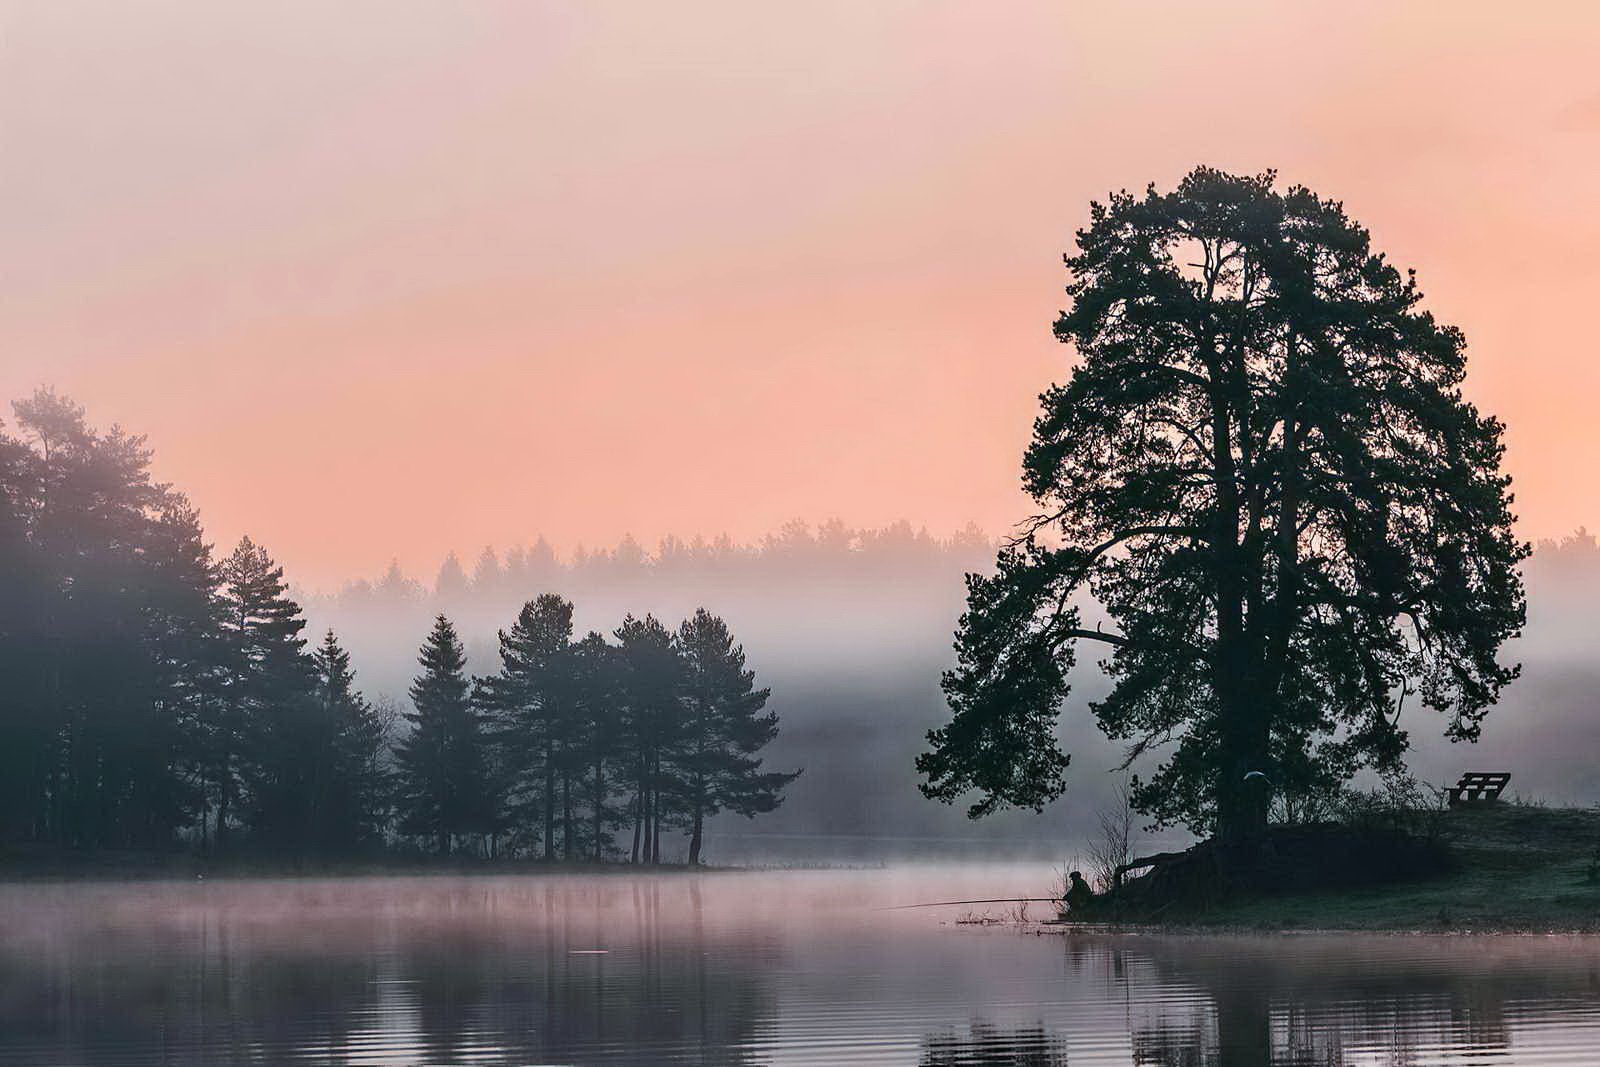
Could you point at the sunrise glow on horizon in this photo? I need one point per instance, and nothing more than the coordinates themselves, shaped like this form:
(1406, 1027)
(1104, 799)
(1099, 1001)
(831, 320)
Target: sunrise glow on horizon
(401, 278)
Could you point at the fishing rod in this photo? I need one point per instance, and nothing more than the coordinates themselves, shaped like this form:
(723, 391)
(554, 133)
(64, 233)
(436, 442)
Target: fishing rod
(991, 900)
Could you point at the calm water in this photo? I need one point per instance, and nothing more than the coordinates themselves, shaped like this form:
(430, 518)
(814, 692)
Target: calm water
(755, 967)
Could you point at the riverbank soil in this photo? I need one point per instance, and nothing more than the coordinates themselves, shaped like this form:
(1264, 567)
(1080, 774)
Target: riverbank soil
(1491, 867)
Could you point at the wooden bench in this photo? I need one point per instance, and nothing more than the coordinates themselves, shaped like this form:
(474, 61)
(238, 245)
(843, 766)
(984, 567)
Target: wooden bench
(1478, 785)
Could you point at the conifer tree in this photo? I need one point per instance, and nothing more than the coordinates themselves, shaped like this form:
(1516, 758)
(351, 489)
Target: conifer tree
(451, 585)
(652, 679)
(444, 788)
(352, 797)
(267, 745)
(531, 703)
(1263, 468)
(190, 660)
(723, 728)
(598, 748)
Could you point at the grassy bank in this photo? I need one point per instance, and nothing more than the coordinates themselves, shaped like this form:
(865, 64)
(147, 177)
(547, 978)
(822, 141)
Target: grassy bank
(1516, 868)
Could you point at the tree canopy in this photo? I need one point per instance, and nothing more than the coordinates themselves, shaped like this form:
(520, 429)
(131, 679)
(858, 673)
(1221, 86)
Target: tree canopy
(1263, 471)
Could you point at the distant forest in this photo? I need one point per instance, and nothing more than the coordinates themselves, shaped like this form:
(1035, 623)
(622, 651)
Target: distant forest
(110, 722)
(155, 698)
(797, 550)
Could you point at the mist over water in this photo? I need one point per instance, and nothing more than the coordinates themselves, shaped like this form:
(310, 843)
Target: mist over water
(852, 634)
(792, 967)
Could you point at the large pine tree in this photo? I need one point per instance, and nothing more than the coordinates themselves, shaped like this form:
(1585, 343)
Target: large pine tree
(532, 703)
(652, 680)
(445, 790)
(93, 731)
(724, 726)
(597, 745)
(1263, 468)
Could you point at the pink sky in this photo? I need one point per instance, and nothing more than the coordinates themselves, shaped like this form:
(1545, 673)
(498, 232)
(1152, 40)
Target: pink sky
(385, 277)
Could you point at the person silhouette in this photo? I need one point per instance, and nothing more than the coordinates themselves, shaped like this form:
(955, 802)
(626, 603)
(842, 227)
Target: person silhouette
(1078, 894)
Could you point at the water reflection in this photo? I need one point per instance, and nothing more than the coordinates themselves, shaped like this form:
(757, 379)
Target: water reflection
(784, 967)
(1315, 1001)
(985, 1046)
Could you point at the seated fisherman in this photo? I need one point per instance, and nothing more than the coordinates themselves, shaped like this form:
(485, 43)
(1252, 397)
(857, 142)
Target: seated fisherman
(1078, 894)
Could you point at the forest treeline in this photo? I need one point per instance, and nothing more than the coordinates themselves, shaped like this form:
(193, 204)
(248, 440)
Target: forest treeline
(798, 550)
(154, 697)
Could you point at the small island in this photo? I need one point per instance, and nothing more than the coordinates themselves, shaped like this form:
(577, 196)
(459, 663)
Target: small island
(1496, 868)
(1262, 496)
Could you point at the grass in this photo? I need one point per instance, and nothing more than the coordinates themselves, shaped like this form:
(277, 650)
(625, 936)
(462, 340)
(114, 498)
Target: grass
(1517, 868)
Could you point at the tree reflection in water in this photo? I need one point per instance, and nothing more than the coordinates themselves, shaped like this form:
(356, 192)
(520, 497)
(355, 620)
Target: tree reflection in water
(985, 1045)
(736, 968)
(1315, 1002)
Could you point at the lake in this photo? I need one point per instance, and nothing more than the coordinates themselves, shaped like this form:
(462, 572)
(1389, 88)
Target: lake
(746, 967)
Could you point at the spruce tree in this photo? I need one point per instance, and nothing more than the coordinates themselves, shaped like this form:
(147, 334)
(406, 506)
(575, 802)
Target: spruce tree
(444, 787)
(190, 659)
(352, 797)
(267, 745)
(451, 585)
(723, 729)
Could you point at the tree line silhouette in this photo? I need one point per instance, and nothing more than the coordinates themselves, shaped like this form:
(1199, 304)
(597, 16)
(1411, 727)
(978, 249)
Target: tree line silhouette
(155, 697)
(797, 551)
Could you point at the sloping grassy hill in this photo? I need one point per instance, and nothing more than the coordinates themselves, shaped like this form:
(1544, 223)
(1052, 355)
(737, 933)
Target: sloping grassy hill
(1517, 868)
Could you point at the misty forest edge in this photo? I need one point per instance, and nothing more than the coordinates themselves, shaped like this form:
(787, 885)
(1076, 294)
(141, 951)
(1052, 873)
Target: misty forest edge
(1262, 470)
(156, 698)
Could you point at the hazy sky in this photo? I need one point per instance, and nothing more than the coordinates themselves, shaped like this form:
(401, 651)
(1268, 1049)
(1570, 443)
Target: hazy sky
(397, 276)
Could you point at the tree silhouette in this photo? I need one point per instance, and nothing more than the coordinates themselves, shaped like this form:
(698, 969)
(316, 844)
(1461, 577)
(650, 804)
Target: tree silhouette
(444, 788)
(652, 679)
(531, 705)
(723, 729)
(269, 741)
(352, 784)
(1264, 471)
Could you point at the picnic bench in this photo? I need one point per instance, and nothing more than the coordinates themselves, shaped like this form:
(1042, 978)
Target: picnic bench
(1478, 785)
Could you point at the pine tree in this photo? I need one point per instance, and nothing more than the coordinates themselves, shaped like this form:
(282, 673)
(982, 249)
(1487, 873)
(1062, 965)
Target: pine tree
(531, 702)
(450, 586)
(597, 745)
(487, 574)
(182, 623)
(652, 678)
(352, 797)
(723, 729)
(95, 745)
(23, 592)
(268, 743)
(444, 787)
(1264, 471)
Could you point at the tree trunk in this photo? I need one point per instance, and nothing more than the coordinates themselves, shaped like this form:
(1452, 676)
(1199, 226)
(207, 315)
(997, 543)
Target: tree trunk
(638, 820)
(1232, 678)
(655, 811)
(697, 833)
(549, 806)
(649, 820)
(223, 792)
(566, 816)
(599, 805)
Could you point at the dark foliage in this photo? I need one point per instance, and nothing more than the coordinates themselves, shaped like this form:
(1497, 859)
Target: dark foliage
(445, 788)
(154, 699)
(1264, 471)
